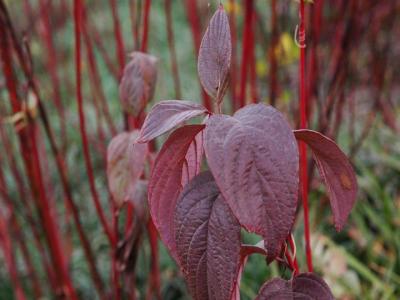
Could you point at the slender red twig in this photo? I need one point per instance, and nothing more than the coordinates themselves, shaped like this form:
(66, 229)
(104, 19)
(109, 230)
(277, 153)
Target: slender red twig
(78, 10)
(303, 149)
(273, 83)
(118, 35)
(246, 48)
(172, 50)
(32, 165)
(146, 18)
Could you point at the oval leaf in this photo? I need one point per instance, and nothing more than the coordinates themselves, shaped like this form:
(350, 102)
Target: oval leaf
(335, 170)
(254, 159)
(167, 114)
(138, 82)
(215, 56)
(302, 286)
(208, 240)
(165, 181)
(125, 164)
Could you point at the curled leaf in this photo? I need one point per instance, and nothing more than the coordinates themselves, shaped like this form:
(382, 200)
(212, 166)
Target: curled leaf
(165, 181)
(208, 240)
(215, 56)
(166, 115)
(254, 159)
(302, 286)
(138, 82)
(336, 171)
(125, 163)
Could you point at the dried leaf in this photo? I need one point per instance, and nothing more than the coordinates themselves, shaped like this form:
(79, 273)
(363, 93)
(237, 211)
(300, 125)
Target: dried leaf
(125, 163)
(165, 181)
(208, 240)
(215, 56)
(336, 171)
(166, 115)
(138, 83)
(254, 159)
(302, 286)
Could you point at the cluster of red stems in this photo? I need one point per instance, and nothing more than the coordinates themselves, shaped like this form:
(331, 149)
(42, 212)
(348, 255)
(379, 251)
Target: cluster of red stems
(252, 156)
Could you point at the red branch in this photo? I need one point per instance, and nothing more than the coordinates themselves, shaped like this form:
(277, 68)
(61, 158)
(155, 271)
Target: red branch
(303, 149)
(78, 9)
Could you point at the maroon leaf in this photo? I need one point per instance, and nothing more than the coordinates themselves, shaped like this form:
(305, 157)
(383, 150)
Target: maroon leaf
(193, 159)
(208, 240)
(336, 171)
(215, 56)
(165, 181)
(303, 286)
(167, 114)
(138, 82)
(254, 159)
(125, 163)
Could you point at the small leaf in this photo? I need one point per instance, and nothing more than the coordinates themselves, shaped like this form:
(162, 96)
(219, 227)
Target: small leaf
(165, 181)
(302, 286)
(166, 115)
(138, 83)
(208, 240)
(215, 56)
(335, 170)
(254, 159)
(125, 163)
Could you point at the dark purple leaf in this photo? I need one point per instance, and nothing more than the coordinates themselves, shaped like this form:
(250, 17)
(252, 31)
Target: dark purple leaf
(208, 240)
(165, 181)
(193, 159)
(167, 114)
(125, 163)
(215, 56)
(254, 159)
(138, 82)
(335, 170)
(305, 286)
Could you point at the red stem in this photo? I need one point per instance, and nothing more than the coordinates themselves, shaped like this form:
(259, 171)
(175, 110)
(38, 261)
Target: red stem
(32, 165)
(172, 50)
(246, 48)
(273, 83)
(303, 149)
(78, 9)
(118, 35)
(146, 18)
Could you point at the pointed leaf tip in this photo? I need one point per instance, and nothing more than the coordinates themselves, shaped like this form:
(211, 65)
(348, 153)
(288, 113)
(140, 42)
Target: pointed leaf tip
(215, 56)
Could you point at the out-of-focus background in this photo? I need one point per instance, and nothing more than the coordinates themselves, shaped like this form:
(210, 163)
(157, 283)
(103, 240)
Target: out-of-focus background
(353, 93)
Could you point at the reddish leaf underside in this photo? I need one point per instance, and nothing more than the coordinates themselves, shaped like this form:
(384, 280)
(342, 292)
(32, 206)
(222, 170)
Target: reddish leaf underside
(254, 159)
(125, 163)
(165, 181)
(138, 82)
(215, 56)
(335, 170)
(166, 115)
(208, 240)
(307, 286)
